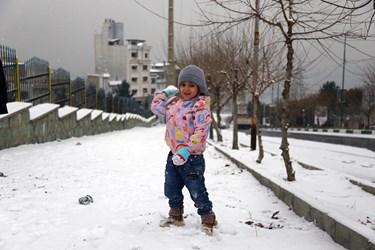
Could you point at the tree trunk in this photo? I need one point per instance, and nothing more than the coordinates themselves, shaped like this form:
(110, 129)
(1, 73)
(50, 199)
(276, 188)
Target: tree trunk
(211, 135)
(254, 128)
(285, 114)
(368, 121)
(216, 128)
(259, 132)
(235, 113)
(218, 110)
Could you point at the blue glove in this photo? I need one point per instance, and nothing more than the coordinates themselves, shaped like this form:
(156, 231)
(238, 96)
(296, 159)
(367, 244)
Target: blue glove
(181, 156)
(170, 90)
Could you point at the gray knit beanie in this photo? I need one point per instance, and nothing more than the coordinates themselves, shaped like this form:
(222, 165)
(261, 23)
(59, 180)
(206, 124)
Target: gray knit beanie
(194, 74)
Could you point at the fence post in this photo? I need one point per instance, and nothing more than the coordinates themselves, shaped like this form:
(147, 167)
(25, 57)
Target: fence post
(96, 98)
(113, 104)
(18, 80)
(70, 93)
(49, 85)
(85, 94)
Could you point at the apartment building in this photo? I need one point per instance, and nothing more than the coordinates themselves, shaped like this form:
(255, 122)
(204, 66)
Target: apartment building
(117, 59)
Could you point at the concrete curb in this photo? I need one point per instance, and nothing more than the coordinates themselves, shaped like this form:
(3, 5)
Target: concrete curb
(340, 233)
(367, 188)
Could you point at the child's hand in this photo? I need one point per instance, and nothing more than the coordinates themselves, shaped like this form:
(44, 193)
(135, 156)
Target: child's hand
(178, 160)
(170, 90)
(181, 156)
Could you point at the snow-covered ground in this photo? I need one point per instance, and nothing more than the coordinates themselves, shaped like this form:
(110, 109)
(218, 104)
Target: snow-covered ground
(124, 173)
(329, 189)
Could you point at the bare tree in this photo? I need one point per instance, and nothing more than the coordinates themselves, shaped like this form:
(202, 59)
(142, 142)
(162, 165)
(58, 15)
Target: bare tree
(267, 75)
(229, 52)
(235, 53)
(296, 21)
(223, 56)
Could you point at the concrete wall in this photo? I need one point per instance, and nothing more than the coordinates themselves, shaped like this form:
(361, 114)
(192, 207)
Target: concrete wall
(27, 124)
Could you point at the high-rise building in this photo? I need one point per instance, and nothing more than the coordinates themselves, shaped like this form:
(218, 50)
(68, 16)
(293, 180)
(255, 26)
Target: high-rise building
(110, 52)
(118, 60)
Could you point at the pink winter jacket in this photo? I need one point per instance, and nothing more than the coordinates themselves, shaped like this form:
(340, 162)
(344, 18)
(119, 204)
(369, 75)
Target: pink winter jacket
(188, 122)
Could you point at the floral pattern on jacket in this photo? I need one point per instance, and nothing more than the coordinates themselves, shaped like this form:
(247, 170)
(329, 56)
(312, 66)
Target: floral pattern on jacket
(187, 122)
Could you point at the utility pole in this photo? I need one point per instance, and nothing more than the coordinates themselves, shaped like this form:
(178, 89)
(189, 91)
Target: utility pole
(342, 87)
(253, 132)
(171, 61)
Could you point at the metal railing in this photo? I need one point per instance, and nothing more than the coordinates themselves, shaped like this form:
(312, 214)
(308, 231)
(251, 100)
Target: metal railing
(60, 87)
(33, 81)
(10, 65)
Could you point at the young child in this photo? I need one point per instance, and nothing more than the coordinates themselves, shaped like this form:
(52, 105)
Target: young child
(188, 118)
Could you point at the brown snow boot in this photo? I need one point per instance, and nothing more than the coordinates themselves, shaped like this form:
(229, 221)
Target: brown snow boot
(208, 223)
(175, 218)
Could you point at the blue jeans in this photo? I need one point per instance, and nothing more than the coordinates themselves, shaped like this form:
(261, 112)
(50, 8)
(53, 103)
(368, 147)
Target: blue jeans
(191, 175)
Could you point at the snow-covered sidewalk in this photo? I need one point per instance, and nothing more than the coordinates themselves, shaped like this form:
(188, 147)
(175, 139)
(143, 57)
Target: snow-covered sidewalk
(328, 187)
(124, 172)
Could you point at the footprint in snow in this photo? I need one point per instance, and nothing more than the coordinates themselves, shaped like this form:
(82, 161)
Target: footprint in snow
(367, 166)
(348, 162)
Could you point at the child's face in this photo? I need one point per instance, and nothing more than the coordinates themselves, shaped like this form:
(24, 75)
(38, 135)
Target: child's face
(188, 90)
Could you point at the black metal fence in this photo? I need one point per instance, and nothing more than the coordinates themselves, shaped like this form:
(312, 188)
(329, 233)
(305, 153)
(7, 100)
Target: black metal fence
(10, 65)
(78, 92)
(60, 83)
(91, 94)
(33, 81)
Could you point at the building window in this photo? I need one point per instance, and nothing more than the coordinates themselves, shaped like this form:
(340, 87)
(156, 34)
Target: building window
(153, 91)
(134, 67)
(134, 54)
(145, 78)
(144, 90)
(145, 67)
(134, 79)
(153, 80)
(134, 91)
(146, 55)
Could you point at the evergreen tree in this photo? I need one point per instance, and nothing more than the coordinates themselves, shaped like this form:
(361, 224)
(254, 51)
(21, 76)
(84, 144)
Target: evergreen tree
(329, 88)
(328, 96)
(101, 99)
(124, 90)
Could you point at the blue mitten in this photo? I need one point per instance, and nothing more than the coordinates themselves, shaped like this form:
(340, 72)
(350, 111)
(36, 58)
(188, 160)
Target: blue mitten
(170, 90)
(181, 156)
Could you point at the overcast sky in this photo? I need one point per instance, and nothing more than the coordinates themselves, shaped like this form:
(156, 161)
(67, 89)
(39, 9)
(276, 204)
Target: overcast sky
(61, 32)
